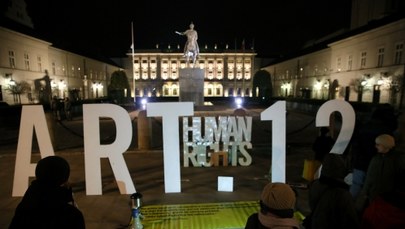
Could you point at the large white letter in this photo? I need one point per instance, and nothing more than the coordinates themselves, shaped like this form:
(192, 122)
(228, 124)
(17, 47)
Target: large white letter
(32, 116)
(278, 134)
(348, 121)
(93, 150)
(170, 113)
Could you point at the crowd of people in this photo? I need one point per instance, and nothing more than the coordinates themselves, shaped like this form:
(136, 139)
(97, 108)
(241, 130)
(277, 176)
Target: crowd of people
(60, 107)
(374, 197)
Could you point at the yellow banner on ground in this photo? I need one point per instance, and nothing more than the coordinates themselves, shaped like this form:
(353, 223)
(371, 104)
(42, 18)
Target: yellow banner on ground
(195, 216)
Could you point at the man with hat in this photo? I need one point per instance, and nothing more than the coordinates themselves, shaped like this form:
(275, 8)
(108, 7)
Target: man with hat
(277, 203)
(48, 201)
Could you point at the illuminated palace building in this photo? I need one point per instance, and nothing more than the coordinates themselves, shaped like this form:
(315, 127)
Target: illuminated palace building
(357, 66)
(365, 63)
(227, 72)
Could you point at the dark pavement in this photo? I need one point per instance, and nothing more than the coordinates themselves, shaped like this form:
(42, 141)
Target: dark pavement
(198, 184)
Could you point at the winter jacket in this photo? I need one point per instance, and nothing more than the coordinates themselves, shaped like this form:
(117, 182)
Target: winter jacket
(386, 211)
(47, 207)
(381, 174)
(253, 222)
(332, 205)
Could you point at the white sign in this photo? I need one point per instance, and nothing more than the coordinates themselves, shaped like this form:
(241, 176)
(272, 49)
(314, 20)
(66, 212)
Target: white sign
(94, 151)
(234, 130)
(170, 113)
(232, 133)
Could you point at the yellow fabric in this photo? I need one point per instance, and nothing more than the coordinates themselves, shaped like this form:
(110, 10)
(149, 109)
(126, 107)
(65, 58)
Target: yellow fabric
(310, 167)
(204, 215)
(201, 216)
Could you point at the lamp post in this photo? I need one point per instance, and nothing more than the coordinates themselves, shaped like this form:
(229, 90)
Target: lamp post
(133, 60)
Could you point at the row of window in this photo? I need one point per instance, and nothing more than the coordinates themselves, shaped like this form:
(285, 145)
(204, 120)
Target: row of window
(399, 48)
(301, 72)
(145, 69)
(74, 72)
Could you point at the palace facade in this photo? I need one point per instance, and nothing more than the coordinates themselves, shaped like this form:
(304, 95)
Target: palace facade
(156, 72)
(49, 71)
(32, 71)
(363, 64)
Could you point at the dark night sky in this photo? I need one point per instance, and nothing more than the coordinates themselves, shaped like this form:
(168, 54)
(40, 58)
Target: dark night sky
(104, 27)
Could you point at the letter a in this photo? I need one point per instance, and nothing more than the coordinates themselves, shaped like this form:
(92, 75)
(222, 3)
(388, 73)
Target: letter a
(32, 116)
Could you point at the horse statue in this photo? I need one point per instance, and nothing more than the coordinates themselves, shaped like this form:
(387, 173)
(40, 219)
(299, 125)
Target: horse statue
(191, 55)
(191, 49)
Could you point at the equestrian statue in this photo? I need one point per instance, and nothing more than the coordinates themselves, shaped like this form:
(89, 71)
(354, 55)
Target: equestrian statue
(191, 49)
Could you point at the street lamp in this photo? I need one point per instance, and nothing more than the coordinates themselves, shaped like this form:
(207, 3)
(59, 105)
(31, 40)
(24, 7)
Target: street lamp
(11, 82)
(238, 102)
(380, 81)
(144, 101)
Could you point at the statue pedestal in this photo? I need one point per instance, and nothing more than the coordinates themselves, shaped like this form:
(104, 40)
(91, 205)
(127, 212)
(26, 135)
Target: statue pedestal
(192, 86)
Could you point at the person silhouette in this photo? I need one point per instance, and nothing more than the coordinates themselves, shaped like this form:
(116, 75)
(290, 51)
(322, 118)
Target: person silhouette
(48, 201)
(329, 199)
(383, 120)
(68, 109)
(191, 48)
(322, 144)
(381, 174)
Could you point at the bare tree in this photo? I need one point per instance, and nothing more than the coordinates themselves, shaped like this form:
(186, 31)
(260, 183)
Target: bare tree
(17, 89)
